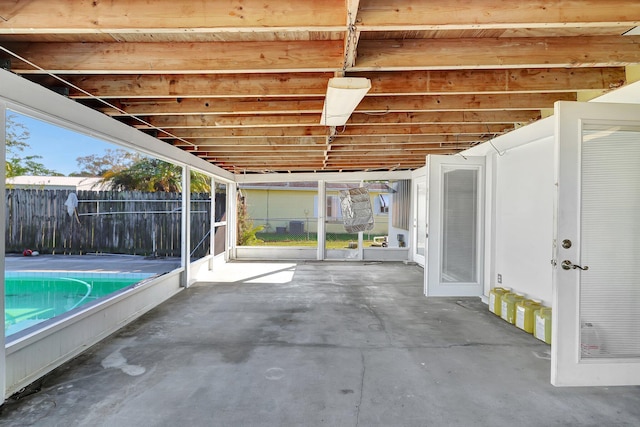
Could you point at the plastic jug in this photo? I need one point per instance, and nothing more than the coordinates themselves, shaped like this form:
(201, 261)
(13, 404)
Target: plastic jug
(590, 340)
(542, 325)
(508, 310)
(524, 314)
(495, 300)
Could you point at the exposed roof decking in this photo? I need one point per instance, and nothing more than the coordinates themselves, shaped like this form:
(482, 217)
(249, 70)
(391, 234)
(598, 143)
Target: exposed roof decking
(242, 84)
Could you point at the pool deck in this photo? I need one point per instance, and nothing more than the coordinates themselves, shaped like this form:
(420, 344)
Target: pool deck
(316, 344)
(91, 263)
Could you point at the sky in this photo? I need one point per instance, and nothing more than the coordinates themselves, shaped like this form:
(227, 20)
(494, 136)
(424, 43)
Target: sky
(59, 147)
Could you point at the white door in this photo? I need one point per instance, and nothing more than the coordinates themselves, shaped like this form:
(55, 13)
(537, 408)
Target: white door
(596, 305)
(420, 217)
(455, 226)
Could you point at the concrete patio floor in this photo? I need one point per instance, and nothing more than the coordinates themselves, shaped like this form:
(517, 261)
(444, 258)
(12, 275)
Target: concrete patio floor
(316, 344)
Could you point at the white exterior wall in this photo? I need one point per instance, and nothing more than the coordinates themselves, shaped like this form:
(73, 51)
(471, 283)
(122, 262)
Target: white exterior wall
(524, 198)
(520, 192)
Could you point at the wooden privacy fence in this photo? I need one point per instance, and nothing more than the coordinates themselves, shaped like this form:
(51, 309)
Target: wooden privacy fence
(129, 222)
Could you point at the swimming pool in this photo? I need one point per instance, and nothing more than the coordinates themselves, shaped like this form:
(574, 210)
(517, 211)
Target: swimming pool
(34, 297)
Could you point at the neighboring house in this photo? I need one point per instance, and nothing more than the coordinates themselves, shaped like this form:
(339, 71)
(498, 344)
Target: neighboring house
(72, 183)
(292, 207)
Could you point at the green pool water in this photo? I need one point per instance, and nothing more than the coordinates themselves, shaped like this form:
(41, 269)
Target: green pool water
(30, 300)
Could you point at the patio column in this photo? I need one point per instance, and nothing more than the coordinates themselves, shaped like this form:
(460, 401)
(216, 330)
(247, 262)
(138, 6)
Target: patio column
(322, 212)
(3, 153)
(186, 225)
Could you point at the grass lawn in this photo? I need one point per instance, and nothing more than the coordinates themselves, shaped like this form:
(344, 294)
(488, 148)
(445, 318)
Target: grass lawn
(335, 241)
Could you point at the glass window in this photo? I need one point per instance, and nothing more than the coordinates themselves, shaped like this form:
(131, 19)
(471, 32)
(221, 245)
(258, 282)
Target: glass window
(460, 226)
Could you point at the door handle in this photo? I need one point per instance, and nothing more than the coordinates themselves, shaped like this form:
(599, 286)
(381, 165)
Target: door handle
(568, 265)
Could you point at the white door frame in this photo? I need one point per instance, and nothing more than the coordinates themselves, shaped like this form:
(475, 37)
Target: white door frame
(419, 176)
(437, 165)
(568, 367)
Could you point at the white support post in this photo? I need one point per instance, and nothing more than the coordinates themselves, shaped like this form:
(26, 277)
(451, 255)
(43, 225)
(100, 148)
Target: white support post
(232, 221)
(186, 225)
(490, 223)
(212, 221)
(322, 212)
(3, 152)
(361, 237)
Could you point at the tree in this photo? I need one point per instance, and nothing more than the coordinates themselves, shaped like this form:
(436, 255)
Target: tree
(200, 183)
(246, 232)
(111, 161)
(151, 175)
(28, 166)
(17, 136)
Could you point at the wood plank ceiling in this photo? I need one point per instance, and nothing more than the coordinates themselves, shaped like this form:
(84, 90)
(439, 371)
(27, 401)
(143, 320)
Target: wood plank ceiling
(241, 83)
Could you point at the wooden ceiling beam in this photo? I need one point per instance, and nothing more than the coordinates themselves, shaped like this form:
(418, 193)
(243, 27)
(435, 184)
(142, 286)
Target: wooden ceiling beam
(343, 166)
(254, 142)
(303, 143)
(275, 159)
(392, 156)
(383, 140)
(176, 57)
(284, 163)
(301, 152)
(352, 35)
(375, 104)
(194, 16)
(492, 53)
(346, 167)
(197, 16)
(213, 121)
(479, 102)
(443, 128)
(355, 151)
(450, 117)
(261, 170)
(264, 168)
(267, 163)
(405, 15)
(400, 148)
(201, 85)
(284, 135)
(307, 120)
(437, 82)
(267, 166)
(137, 107)
(441, 82)
(261, 57)
(259, 150)
(381, 162)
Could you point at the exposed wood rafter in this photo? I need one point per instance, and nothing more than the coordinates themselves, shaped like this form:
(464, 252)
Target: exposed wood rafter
(242, 83)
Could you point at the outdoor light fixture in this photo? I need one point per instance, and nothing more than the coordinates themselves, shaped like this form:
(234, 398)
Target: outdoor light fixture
(343, 96)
